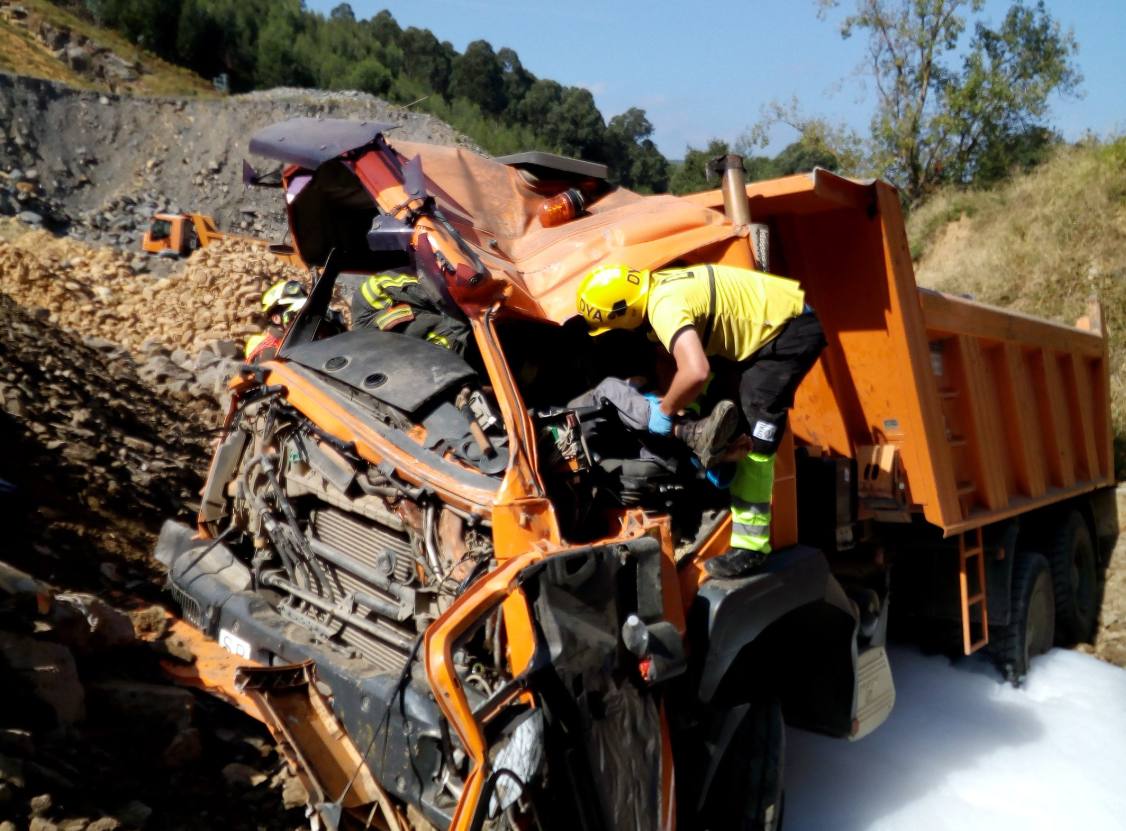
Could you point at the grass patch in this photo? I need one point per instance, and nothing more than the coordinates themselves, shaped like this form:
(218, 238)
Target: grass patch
(1040, 243)
(21, 54)
(24, 54)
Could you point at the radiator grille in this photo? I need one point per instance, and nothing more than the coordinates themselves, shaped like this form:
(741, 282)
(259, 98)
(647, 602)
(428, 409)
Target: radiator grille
(366, 542)
(189, 608)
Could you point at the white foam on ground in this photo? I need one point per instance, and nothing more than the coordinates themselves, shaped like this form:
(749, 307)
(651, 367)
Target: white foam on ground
(961, 750)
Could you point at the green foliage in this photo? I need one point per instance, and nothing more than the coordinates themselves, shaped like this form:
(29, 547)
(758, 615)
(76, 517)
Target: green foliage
(801, 156)
(576, 125)
(631, 154)
(1021, 151)
(369, 75)
(477, 77)
(1042, 243)
(427, 60)
(937, 122)
(495, 136)
(516, 80)
(690, 176)
(153, 25)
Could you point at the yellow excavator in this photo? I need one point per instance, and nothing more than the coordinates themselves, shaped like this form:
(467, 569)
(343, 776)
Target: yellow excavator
(178, 235)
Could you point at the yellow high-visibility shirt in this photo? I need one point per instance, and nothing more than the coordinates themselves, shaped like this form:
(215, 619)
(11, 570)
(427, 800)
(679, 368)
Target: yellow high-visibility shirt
(749, 308)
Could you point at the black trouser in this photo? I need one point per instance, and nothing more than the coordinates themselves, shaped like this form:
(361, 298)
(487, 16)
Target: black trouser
(766, 382)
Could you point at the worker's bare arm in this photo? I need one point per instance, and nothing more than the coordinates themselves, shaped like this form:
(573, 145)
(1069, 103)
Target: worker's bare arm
(691, 371)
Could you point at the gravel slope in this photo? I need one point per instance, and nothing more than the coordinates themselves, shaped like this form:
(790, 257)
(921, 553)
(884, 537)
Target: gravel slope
(99, 165)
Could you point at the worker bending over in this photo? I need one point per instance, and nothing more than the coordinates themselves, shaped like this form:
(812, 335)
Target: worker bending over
(280, 304)
(765, 339)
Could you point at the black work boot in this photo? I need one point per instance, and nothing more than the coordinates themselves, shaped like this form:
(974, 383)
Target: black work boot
(738, 562)
(708, 437)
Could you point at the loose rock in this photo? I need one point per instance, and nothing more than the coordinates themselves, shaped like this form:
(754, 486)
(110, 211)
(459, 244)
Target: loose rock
(49, 670)
(40, 805)
(239, 775)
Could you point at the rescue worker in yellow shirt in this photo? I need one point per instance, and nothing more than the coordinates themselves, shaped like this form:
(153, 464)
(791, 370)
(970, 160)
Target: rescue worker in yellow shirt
(396, 301)
(763, 337)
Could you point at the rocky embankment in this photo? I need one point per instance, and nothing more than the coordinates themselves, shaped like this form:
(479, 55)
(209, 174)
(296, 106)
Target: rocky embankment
(91, 736)
(112, 384)
(99, 165)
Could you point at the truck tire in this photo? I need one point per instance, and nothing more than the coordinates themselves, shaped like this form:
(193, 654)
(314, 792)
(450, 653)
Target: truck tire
(747, 793)
(1032, 629)
(1074, 565)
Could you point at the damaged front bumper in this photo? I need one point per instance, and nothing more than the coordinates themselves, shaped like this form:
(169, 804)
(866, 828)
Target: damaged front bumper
(581, 708)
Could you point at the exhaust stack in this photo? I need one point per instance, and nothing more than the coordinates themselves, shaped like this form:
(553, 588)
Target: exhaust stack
(735, 202)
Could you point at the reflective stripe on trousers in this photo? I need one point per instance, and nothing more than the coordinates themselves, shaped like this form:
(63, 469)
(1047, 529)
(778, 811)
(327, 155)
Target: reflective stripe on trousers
(750, 502)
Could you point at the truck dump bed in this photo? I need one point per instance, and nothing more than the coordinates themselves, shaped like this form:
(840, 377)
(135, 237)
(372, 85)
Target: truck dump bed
(965, 412)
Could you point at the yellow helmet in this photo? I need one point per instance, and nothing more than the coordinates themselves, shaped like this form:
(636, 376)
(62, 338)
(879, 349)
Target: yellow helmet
(285, 297)
(613, 297)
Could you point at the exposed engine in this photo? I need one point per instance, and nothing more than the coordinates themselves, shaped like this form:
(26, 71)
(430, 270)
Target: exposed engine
(357, 556)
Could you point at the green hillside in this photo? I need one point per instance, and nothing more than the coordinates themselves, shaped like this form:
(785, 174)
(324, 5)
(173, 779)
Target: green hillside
(1042, 242)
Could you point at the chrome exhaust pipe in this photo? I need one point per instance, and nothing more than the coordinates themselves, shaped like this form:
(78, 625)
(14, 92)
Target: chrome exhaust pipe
(735, 202)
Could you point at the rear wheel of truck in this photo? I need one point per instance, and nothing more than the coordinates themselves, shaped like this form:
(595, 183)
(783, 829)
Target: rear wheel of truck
(1031, 631)
(1074, 577)
(746, 793)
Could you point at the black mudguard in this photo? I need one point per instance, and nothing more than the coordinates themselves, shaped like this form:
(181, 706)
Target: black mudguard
(789, 627)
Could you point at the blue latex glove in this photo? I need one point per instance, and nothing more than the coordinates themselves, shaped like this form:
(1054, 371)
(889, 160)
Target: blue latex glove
(721, 475)
(659, 423)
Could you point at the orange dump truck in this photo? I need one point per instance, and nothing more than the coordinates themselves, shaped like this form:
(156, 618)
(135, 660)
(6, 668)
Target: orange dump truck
(461, 599)
(178, 235)
(978, 440)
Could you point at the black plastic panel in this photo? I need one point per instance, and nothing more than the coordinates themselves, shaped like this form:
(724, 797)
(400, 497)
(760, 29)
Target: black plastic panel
(310, 142)
(399, 370)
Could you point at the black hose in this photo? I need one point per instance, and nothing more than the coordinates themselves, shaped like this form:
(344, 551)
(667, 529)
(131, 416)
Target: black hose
(309, 560)
(280, 546)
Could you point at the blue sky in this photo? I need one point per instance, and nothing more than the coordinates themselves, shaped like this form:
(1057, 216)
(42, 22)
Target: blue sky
(703, 70)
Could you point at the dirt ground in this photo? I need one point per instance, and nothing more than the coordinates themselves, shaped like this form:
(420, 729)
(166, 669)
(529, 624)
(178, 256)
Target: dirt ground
(1110, 641)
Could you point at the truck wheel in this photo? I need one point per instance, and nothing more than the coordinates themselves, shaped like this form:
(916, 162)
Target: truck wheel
(746, 793)
(1032, 629)
(1074, 577)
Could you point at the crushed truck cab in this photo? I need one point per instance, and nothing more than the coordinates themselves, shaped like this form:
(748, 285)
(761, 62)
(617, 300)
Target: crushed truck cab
(485, 606)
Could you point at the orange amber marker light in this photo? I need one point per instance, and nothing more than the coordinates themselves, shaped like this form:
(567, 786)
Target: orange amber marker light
(563, 207)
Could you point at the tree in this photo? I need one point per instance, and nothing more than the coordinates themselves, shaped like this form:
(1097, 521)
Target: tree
(343, 13)
(633, 158)
(369, 75)
(802, 156)
(1019, 151)
(820, 143)
(515, 78)
(476, 76)
(935, 120)
(542, 98)
(575, 126)
(151, 23)
(274, 65)
(691, 175)
(385, 28)
(427, 60)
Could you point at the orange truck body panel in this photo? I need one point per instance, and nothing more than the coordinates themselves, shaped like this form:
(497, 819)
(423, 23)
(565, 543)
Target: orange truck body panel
(993, 413)
(972, 454)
